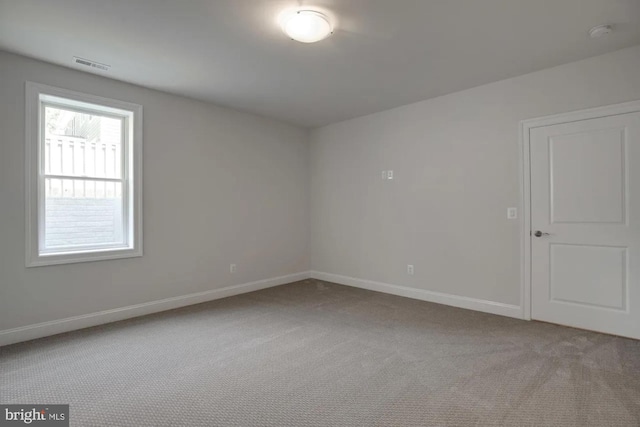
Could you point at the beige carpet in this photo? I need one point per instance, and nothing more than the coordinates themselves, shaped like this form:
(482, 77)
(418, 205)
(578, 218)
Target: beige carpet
(313, 353)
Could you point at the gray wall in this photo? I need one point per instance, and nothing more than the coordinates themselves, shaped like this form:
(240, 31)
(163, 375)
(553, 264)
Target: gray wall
(456, 163)
(220, 187)
(226, 187)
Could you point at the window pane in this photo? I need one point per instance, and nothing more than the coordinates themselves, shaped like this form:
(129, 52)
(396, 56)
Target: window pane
(80, 144)
(82, 213)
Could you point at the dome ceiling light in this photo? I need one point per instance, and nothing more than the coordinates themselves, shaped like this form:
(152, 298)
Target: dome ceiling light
(307, 26)
(600, 31)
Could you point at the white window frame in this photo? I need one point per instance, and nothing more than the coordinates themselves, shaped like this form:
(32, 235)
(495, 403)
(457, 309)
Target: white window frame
(37, 94)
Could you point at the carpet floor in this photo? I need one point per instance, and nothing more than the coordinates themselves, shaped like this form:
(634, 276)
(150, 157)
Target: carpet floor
(314, 353)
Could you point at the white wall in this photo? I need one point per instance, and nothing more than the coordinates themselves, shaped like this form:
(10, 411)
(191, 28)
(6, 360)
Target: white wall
(220, 187)
(456, 163)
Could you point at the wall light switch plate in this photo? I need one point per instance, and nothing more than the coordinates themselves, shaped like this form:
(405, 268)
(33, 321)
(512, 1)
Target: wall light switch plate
(512, 213)
(389, 174)
(384, 174)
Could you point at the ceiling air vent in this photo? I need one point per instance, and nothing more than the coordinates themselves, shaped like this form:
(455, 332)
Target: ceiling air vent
(91, 64)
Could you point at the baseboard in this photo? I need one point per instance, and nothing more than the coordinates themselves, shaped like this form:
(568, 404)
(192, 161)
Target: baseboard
(424, 295)
(39, 330)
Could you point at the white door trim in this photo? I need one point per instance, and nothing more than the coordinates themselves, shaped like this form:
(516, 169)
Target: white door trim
(525, 179)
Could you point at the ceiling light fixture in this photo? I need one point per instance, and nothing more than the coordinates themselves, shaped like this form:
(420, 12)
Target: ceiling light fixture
(599, 31)
(307, 26)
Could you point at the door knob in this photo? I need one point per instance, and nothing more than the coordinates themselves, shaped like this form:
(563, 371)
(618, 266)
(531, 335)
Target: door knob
(539, 233)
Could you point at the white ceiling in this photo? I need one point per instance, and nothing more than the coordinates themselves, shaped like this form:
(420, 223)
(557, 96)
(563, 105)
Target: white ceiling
(384, 53)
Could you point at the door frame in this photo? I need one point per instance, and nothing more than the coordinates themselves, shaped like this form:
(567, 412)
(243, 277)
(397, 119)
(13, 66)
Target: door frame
(525, 180)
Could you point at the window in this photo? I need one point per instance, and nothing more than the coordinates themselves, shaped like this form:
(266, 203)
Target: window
(83, 163)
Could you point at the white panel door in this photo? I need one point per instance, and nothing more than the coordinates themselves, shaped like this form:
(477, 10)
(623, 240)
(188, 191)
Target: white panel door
(585, 221)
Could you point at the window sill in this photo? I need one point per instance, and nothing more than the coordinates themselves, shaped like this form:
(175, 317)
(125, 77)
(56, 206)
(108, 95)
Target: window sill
(77, 257)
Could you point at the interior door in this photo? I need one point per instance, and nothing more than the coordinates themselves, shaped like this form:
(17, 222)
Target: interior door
(585, 220)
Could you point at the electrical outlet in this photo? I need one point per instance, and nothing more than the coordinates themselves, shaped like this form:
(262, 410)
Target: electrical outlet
(512, 213)
(410, 270)
(384, 174)
(232, 268)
